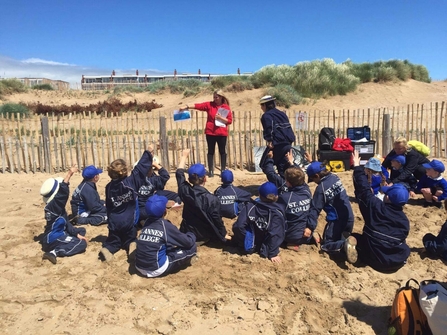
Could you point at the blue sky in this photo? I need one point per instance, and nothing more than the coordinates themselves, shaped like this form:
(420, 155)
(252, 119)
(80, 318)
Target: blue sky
(65, 39)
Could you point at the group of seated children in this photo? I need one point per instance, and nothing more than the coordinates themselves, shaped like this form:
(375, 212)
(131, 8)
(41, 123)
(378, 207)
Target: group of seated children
(286, 213)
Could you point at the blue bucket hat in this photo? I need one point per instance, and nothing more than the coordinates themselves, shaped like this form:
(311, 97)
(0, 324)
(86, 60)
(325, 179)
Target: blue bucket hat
(156, 205)
(90, 172)
(268, 188)
(314, 168)
(398, 194)
(198, 169)
(227, 177)
(435, 165)
(399, 158)
(374, 164)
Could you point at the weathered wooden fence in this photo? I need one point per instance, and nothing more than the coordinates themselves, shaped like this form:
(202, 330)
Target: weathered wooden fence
(26, 144)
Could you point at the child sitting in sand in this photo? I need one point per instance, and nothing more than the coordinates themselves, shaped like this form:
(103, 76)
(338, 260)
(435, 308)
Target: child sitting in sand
(201, 209)
(161, 247)
(260, 227)
(436, 246)
(377, 175)
(232, 198)
(397, 171)
(433, 186)
(60, 237)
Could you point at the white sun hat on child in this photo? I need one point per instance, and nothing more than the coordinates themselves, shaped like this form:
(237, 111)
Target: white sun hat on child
(49, 188)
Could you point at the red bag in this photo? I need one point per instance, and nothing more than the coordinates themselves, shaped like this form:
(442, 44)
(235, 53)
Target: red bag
(343, 144)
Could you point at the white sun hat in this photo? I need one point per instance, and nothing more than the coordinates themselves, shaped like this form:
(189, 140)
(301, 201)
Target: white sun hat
(49, 189)
(266, 98)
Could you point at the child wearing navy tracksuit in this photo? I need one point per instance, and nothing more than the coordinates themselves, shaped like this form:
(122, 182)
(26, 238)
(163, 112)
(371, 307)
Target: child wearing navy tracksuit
(122, 205)
(232, 198)
(60, 237)
(297, 203)
(260, 227)
(382, 244)
(161, 247)
(86, 206)
(399, 175)
(278, 133)
(437, 245)
(330, 196)
(155, 183)
(201, 209)
(432, 186)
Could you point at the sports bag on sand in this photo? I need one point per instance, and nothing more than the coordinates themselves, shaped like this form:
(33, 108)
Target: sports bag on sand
(407, 317)
(433, 302)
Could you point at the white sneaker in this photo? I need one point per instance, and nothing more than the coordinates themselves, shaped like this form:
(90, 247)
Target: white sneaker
(350, 249)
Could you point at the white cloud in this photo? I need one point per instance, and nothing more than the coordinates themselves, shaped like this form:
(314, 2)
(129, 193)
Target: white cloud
(40, 68)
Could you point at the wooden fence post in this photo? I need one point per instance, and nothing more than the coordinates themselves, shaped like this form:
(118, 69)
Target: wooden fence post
(46, 143)
(164, 143)
(386, 135)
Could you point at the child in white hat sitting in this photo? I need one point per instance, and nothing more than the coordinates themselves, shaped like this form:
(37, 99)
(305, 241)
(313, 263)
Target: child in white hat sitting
(60, 237)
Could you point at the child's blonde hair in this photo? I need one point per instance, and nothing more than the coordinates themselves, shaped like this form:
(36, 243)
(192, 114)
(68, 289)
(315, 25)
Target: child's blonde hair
(295, 176)
(118, 169)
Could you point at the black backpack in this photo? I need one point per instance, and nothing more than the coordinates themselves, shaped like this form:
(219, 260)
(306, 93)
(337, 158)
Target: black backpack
(326, 138)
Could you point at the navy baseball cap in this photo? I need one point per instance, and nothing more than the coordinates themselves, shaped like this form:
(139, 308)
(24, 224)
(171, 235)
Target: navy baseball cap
(227, 177)
(156, 205)
(435, 165)
(374, 164)
(198, 169)
(90, 172)
(314, 168)
(268, 188)
(398, 194)
(399, 158)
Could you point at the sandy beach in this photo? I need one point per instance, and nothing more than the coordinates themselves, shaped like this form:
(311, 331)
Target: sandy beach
(223, 292)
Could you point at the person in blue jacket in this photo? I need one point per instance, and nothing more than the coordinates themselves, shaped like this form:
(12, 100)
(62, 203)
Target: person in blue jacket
(382, 245)
(86, 205)
(278, 133)
(330, 196)
(155, 183)
(161, 248)
(232, 198)
(436, 246)
(260, 227)
(60, 238)
(297, 202)
(397, 168)
(122, 205)
(201, 209)
(433, 186)
(377, 175)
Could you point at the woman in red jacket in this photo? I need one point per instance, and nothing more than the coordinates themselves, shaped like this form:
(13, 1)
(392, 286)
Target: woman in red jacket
(216, 130)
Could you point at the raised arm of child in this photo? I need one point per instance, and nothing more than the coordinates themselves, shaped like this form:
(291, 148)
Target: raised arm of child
(185, 154)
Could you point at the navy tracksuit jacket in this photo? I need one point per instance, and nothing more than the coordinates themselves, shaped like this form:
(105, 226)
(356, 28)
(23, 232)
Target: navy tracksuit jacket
(232, 200)
(59, 234)
(438, 183)
(122, 205)
(201, 211)
(85, 198)
(382, 244)
(160, 243)
(297, 205)
(273, 176)
(437, 245)
(330, 196)
(261, 227)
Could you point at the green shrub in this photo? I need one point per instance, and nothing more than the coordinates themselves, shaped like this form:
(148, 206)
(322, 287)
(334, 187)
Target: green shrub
(11, 86)
(363, 71)
(285, 95)
(11, 108)
(420, 73)
(43, 87)
(385, 73)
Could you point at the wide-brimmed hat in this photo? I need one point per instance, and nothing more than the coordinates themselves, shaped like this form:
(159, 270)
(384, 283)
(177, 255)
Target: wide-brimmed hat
(221, 93)
(266, 98)
(49, 188)
(374, 164)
